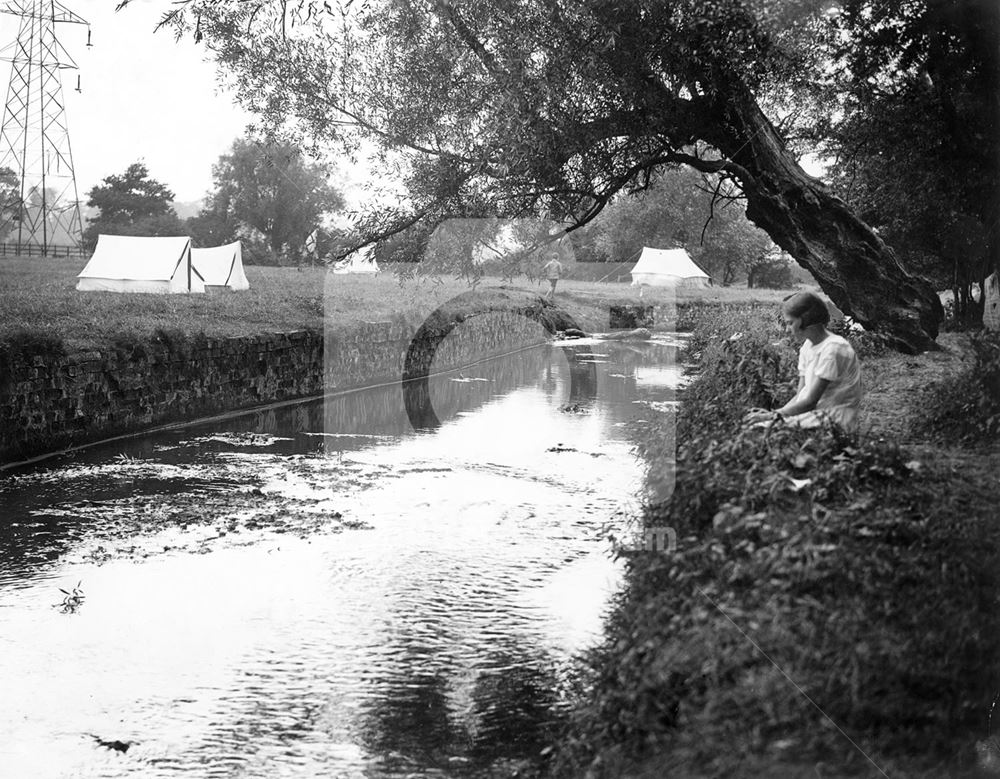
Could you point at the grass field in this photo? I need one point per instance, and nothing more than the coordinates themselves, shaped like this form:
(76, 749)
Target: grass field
(38, 296)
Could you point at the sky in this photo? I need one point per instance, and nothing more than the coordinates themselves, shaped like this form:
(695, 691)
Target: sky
(144, 96)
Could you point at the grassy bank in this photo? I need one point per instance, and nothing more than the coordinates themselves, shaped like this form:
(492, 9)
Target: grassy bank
(45, 320)
(38, 297)
(831, 607)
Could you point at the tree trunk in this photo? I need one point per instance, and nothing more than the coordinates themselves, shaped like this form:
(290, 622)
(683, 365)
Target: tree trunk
(852, 264)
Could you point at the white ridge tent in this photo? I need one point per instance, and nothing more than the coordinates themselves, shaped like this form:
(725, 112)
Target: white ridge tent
(221, 267)
(667, 268)
(130, 263)
(360, 262)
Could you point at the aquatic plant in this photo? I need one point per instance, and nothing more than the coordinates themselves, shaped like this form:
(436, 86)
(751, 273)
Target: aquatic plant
(114, 744)
(71, 601)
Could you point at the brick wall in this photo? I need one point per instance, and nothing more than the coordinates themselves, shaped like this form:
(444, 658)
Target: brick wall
(48, 403)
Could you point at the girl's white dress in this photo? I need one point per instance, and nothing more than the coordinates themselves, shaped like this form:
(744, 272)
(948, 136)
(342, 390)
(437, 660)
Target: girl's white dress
(832, 359)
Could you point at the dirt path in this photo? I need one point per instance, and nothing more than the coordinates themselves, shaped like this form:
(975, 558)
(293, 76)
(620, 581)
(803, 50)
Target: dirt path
(894, 401)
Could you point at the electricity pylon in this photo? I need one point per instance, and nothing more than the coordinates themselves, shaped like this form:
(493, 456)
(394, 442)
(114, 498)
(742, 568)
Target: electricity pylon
(38, 197)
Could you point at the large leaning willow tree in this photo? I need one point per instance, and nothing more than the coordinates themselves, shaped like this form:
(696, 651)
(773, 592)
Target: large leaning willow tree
(513, 108)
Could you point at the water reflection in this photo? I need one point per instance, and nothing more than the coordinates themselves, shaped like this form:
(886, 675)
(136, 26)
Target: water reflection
(317, 589)
(515, 705)
(409, 720)
(567, 370)
(433, 334)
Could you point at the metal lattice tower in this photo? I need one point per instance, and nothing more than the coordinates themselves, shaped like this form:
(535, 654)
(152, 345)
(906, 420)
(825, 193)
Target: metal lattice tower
(37, 181)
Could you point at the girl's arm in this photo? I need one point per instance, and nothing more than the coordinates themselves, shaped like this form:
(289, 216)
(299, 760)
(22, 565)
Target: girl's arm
(800, 405)
(759, 414)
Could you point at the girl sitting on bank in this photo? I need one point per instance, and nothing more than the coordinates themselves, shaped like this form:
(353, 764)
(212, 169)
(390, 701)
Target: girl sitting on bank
(829, 373)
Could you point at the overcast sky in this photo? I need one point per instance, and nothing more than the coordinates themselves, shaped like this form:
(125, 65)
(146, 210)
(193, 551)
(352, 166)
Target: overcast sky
(144, 96)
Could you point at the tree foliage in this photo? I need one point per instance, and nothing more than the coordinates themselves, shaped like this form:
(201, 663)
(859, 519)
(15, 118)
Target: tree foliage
(210, 228)
(268, 195)
(932, 187)
(679, 208)
(10, 201)
(131, 203)
(550, 108)
(770, 270)
(498, 107)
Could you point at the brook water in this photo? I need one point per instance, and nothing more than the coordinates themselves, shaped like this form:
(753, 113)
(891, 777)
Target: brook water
(320, 590)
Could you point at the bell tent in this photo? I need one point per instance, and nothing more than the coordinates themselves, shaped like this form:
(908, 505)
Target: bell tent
(667, 268)
(130, 263)
(221, 267)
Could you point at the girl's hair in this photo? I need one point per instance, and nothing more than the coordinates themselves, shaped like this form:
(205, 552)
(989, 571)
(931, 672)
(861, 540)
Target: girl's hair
(808, 307)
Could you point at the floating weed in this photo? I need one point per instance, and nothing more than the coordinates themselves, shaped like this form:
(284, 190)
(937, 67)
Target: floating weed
(71, 601)
(115, 744)
(125, 459)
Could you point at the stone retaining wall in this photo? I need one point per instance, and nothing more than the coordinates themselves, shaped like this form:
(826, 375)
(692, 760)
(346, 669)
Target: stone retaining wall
(51, 402)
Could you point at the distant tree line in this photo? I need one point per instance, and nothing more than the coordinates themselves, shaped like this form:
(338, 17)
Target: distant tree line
(269, 196)
(683, 208)
(679, 208)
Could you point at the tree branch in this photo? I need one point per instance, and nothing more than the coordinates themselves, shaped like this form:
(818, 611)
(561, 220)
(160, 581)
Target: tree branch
(445, 9)
(716, 166)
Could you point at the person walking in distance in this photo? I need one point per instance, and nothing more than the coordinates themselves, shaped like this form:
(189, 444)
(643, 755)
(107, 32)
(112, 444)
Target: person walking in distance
(552, 269)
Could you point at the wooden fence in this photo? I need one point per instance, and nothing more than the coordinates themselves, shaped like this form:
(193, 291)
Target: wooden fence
(27, 250)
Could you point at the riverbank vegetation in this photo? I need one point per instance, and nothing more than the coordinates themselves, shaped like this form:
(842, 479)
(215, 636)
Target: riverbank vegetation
(39, 301)
(830, 608)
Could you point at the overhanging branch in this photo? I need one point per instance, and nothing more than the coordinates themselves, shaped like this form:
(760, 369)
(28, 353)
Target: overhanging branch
(716, 166)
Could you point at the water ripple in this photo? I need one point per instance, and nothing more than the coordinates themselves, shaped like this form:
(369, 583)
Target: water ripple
(310, 593)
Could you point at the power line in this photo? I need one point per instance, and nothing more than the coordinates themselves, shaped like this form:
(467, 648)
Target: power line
(34, 134)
